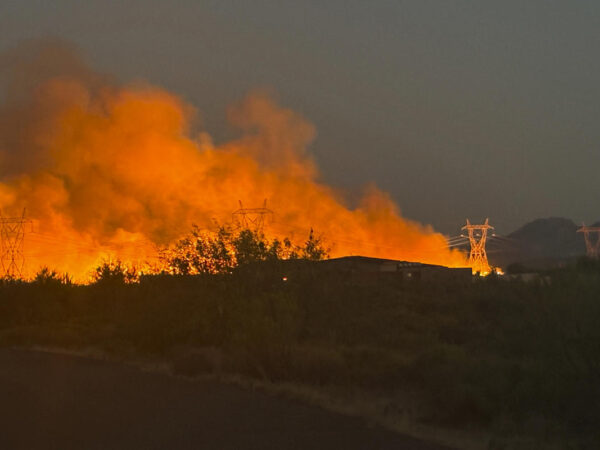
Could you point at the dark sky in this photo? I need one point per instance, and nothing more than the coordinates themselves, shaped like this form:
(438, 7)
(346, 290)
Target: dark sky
(457, 108)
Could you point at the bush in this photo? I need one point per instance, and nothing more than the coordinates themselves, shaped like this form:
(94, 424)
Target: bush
(114, 272)
(491, 352)
(221, 252)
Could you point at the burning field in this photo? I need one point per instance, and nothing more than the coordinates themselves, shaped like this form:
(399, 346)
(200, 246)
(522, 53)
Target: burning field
(108, 170)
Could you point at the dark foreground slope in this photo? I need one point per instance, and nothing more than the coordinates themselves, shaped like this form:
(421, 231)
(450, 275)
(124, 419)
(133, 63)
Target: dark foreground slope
(501, 356)
(62, 402)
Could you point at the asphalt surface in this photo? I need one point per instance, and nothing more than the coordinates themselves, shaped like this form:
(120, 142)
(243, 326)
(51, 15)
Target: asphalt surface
(52, 401)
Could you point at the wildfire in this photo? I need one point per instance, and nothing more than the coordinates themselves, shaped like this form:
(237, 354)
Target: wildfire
(115, 171)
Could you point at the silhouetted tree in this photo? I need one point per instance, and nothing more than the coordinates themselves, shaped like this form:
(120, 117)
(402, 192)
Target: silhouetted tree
(47, 277)
(313, 248)
(114, 272)
(203, 252)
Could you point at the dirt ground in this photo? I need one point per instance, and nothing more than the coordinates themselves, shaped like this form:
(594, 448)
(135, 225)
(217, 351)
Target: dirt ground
(53, 401)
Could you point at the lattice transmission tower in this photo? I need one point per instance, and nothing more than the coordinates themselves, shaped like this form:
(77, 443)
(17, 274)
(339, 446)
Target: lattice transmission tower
(252, 218)
(477, 237)
(12, 243)
(592, 245)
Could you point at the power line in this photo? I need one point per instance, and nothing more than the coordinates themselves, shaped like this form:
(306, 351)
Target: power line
(592, 246)
(477, 237)
(12, 237)
(251, 218)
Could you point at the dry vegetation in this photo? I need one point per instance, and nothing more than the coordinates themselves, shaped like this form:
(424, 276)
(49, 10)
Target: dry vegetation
(505, 358)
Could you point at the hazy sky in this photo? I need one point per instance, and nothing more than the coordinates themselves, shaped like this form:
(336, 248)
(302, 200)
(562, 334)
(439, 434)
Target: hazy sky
(457, 108)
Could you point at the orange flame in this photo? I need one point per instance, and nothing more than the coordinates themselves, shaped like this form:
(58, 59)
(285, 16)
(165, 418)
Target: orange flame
(114, 171)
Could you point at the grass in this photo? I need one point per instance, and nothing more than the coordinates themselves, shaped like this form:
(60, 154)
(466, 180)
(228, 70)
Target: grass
(516, 364)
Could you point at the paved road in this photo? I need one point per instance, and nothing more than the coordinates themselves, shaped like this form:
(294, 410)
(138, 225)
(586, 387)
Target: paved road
(50, 401)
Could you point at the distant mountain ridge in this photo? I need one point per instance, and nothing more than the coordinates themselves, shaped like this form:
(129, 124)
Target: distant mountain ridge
(544, 242)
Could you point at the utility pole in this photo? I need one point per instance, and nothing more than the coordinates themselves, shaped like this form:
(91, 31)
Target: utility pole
(477, 237)
(251, 218)
(592, 246)
(12, 242)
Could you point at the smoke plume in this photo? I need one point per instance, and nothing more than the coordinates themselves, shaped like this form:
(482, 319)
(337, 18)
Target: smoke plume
(112, 170)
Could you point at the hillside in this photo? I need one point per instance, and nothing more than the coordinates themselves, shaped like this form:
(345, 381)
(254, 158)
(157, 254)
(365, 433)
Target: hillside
(541, 243)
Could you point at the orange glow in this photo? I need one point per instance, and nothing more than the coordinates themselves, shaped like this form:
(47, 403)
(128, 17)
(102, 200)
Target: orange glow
(111, 171)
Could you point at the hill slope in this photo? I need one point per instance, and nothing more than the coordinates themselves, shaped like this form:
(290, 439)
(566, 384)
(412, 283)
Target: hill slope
(541, 243)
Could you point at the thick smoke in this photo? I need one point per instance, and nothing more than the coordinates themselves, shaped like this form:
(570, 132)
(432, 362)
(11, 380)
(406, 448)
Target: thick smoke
(113, 170)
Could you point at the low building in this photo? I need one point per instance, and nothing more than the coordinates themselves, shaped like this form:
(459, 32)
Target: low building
(405, 270)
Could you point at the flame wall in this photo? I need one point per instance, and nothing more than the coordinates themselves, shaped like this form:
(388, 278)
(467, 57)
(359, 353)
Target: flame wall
(109, 170)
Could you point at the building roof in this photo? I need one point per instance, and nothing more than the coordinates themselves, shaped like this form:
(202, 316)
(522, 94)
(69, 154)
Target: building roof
(370, 260)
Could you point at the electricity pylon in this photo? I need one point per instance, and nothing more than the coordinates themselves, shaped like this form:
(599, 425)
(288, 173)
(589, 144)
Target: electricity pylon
(477, 237)
(12, 242)
(592, 246)
(251, 218)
